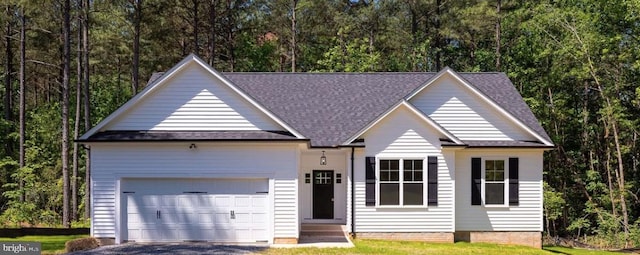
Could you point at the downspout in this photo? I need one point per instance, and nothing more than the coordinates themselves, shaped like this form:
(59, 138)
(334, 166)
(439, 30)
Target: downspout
(353, 195)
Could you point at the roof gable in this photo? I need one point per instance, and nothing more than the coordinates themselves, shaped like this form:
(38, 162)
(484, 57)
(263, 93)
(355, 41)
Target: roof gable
(403, 129)
(404, 105)
(191, 97)
(469, 113)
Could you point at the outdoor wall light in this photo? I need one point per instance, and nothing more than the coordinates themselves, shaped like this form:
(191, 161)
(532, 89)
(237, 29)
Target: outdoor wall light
(193, 146)
(323, 159)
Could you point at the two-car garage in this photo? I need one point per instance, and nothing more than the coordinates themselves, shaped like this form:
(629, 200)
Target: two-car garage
(176, 210)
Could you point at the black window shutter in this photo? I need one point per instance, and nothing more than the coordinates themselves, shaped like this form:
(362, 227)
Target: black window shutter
(476, 181)
(513, 181)
(432, 175)
(370, 186)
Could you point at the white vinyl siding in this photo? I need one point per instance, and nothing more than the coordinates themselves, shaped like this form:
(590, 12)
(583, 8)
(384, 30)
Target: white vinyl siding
(464, 114)
(527, 216)
(194, 100)
(286, 209)
(113, 162)
(404, 135)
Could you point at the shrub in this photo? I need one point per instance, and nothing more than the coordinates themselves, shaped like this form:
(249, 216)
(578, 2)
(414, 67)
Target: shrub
(81, 244)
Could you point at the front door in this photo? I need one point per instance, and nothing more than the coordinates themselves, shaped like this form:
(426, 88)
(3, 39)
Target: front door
(322, 194)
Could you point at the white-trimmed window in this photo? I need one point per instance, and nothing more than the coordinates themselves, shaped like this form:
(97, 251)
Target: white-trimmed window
(495, 181)
(495, 178)
(401, 182)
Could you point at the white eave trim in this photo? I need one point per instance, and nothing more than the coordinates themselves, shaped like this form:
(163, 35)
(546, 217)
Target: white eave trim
(415, 111)
(172, 72)
(482, 96)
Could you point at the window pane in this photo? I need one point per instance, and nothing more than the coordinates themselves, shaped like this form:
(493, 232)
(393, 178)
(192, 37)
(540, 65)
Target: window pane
(408, 164)
(417, 164)
(499, 165)
(499, 176)
(384, 175)
(412, 194)
(417, 176)
(489, 164)
(488, 175)
(494, 193)
(394, 164)
(389, 194)
(408, 175)
(384, 164)
(394, 176)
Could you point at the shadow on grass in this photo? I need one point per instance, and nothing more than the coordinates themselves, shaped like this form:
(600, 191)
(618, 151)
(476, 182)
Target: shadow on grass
(550, 249)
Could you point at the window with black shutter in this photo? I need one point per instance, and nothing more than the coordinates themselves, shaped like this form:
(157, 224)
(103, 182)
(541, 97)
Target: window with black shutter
(494, 181)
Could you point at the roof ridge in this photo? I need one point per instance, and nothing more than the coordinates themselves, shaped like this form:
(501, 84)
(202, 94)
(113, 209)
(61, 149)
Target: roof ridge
(351, 73)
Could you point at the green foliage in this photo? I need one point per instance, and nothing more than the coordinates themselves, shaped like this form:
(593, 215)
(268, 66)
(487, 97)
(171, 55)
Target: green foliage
(353, 56)
(553, 202)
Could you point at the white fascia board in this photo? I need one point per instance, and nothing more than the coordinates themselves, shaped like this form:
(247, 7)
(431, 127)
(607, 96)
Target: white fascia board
(414, 111)
(175, 69)
(248, 98)
(482, 96)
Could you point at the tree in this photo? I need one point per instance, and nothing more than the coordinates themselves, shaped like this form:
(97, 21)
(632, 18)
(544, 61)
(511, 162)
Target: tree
(86, 103)
(66, 73)
(23, 92)
(137, 22)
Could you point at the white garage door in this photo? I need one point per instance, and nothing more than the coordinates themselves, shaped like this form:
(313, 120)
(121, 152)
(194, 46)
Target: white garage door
(196, 210)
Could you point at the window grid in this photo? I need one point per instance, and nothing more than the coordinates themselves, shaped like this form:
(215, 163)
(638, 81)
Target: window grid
(401, 188)
(494, 182)
(323, 178)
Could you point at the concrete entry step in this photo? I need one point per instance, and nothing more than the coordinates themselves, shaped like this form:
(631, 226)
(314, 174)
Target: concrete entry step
(324, 235)
(322, 230)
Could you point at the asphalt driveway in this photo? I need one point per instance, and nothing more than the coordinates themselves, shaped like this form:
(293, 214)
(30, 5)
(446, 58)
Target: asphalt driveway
(173, 248)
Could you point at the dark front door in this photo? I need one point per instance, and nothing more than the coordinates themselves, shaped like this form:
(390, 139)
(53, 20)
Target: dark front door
(322, 194)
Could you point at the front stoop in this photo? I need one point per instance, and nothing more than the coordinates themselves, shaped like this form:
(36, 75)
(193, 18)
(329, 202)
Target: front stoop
(324, 235)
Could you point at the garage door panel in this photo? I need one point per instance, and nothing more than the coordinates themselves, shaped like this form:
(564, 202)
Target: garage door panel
(243, 218)
(222, 218)
(206, 218)
(190, 201)
(223, 201)
(242, 201)
(200, 216)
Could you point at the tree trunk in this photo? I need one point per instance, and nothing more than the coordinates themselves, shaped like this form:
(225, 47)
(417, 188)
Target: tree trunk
(293, 35)
(137, 19)
(66, 27)
(498, 33)
(212, 32)
(76, 124)
(196, 45)
(87, 106)
(8, 96)
(231, 36)
(414, 36)
(22, 95)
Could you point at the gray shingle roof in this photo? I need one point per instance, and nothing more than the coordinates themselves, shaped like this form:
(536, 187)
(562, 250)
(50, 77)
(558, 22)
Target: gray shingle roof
(329, 108)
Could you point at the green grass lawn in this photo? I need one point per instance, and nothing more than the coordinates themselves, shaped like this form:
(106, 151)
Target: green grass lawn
(50, 244)
(399, 247)
(55, 245)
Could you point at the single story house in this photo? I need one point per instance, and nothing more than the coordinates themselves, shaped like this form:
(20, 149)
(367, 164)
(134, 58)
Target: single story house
(200, 155)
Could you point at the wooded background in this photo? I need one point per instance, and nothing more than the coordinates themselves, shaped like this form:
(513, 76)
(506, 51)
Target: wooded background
(68, 64)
